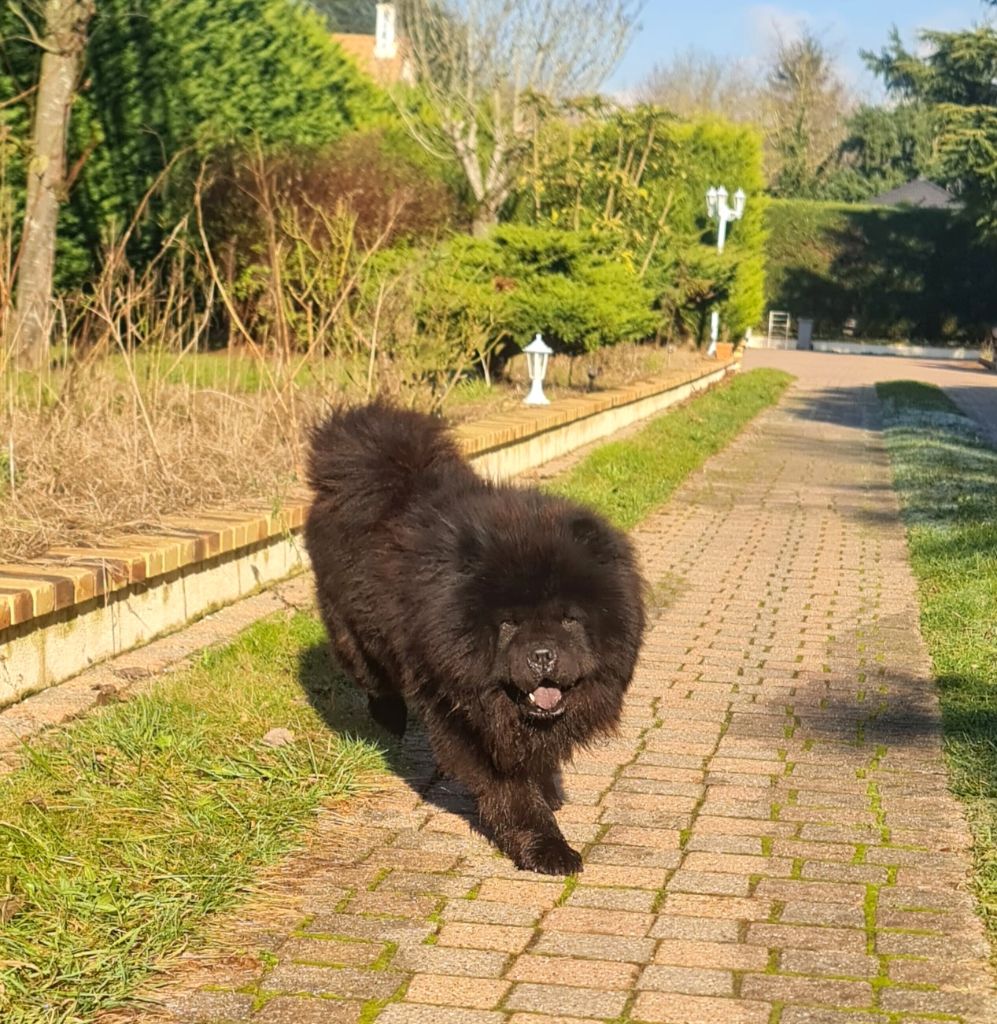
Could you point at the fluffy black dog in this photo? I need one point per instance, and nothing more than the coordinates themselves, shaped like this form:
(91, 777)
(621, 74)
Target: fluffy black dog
(508, 619)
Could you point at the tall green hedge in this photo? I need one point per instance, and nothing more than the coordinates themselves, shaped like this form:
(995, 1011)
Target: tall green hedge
(901, 273)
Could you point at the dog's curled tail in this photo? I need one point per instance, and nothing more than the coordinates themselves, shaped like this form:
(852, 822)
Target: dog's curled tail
(368, 462)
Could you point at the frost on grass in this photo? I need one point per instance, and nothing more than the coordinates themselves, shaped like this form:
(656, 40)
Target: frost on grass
(941, 463)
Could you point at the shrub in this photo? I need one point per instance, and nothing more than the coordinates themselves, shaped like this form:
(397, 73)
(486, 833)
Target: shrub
(900, 273)
(392, 198)
(566, 285)
(636, 180)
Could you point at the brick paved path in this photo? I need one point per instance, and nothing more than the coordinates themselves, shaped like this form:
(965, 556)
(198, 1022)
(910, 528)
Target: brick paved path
(769, 840)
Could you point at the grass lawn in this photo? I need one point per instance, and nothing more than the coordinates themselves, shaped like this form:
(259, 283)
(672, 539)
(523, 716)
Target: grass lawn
(625, 480)
(946, 476)
(123, 832)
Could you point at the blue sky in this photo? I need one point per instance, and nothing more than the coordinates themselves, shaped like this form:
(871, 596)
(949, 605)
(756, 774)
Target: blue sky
(726, 27)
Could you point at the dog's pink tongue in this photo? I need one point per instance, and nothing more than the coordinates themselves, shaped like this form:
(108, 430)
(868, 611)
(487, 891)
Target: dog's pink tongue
(547, 697)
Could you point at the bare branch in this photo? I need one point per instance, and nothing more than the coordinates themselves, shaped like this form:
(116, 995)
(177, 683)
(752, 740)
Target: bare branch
(480, 64)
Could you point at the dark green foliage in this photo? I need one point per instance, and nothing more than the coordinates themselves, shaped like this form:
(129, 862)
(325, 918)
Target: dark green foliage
(957, 77)
(565, 286)
(884, 147)
(902, 273)
(165, 78)
(521, 280)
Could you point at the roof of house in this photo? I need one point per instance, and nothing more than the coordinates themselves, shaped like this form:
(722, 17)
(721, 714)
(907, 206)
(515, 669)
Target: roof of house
(918, 193)
(384, 70)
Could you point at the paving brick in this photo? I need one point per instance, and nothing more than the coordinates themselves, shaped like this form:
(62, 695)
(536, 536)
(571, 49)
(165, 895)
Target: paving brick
(733, 956)
(598, 922)
(651, 838)
(815, 1015)
(353, 926)
(705, 929)
(470, 963)
(392, 904)
(543, 1018)
(709, 883)
(731, 907)
(486, 912)
(695, 981)
(908, 1000)
(330, 951)
(411, 1013)
(670, 1008)
(345, 982)
(781, 936)
(502, 938)
(521, 893)
(635, 900)
(566, 1000)
(602, 974)
(625, 876)
(595, 947)
(450, 990)
(807, 990)
(825, 962)
(209, 1007)
(300, 1010)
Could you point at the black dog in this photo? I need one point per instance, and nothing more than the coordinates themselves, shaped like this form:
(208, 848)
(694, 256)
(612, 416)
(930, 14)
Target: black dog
(509, 619)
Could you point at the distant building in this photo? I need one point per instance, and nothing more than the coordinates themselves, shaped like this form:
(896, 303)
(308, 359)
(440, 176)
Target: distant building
(925, 194)
(383, 55)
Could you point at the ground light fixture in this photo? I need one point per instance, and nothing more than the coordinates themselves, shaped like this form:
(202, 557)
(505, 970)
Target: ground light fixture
(719, 210)
(538, 354)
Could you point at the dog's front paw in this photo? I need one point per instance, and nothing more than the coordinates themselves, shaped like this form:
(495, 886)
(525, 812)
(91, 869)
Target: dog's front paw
(550, 855)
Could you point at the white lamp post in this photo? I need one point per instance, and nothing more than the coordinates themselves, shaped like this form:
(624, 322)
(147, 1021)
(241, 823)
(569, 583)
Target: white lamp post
(718, 209)
(538, 354)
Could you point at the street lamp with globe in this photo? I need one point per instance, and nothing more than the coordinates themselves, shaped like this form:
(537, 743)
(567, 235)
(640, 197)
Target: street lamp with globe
(719, 210)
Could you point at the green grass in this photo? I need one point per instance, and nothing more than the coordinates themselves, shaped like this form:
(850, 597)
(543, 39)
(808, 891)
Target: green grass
(625, 480)
(946, 476)
(122, 832)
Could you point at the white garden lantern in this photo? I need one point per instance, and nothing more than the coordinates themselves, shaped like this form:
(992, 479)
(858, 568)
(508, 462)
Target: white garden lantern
(538, 354)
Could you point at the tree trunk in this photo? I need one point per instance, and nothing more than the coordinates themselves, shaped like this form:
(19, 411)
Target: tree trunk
(484, 220)
(64, 40)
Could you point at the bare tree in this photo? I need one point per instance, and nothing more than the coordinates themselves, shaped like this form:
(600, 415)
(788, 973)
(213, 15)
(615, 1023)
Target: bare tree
(696, 83)
(807, 105)
(62, 40)
(491, 69)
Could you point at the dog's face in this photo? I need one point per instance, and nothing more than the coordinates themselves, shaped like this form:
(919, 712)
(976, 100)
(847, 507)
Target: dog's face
(541, 653)
(545, 603)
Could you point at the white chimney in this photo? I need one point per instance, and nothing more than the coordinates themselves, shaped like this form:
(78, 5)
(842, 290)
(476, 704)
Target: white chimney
(385, 42)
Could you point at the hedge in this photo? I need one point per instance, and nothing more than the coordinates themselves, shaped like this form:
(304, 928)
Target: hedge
(901, 273)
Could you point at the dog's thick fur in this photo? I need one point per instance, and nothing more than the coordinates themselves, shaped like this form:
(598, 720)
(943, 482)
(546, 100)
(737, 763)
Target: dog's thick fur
(508, 619)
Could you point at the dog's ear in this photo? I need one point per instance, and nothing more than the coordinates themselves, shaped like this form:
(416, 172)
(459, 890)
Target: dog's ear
(592, 535)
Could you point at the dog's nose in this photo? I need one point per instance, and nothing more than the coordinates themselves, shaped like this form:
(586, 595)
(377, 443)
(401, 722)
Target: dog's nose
(541, 660)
